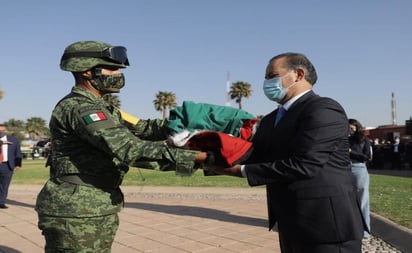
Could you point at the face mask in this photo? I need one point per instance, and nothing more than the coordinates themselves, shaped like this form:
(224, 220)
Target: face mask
(352, 130)
(108, 83)
(274, 89)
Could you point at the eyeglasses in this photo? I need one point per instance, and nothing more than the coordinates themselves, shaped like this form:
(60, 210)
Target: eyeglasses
(116, 54)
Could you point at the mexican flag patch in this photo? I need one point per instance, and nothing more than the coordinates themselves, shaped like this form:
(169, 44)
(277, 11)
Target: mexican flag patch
(94, 117)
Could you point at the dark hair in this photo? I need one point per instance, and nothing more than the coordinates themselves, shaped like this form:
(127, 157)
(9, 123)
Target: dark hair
(296, 60)
(359, 135)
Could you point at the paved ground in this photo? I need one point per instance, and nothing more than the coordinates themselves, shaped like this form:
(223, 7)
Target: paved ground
(167, 220)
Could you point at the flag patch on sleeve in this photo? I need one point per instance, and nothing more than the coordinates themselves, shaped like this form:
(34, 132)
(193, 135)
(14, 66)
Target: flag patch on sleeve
(94, 117)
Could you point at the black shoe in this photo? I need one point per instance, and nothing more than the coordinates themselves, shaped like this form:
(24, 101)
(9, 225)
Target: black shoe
(3, 206)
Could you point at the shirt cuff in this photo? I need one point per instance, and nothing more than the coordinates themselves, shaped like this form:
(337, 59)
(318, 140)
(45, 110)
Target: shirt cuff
(243, 170)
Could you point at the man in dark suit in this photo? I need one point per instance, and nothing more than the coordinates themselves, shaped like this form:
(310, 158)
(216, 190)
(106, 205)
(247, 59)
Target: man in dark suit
(303, 159)
(10, 160)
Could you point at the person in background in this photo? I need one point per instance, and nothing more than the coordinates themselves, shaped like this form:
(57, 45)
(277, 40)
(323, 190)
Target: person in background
(360, 155)
(397, 150)
(300, 152)
(378, 159)
(92, 148)
(10, 161)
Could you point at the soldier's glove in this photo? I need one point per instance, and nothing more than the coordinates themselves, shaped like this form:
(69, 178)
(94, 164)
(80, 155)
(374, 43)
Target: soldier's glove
(210, 158)
(215, 158)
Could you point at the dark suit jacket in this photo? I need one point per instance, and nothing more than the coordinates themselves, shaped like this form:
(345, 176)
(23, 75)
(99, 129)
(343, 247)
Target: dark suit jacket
(304, 162)
(13, 153)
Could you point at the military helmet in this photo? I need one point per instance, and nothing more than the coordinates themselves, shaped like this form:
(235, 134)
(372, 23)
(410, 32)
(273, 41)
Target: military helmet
(84, 55)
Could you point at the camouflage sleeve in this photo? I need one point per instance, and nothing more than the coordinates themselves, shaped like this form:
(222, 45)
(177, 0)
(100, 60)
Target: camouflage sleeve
(105, 132)
(151, 129)
(184, 165)
(146, 129)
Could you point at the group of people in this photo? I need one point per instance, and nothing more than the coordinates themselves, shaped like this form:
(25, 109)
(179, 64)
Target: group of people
(392, 154)
(300, 151)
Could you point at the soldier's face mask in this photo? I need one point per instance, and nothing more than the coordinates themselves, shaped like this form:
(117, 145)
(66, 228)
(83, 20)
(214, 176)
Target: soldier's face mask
(107, 83)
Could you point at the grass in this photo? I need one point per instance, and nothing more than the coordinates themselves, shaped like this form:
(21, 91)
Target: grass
(391, 197)
(34, 172)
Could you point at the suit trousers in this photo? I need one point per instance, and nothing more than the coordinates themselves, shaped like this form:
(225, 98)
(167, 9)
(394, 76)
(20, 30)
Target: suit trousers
(5, 178)
(292, 245)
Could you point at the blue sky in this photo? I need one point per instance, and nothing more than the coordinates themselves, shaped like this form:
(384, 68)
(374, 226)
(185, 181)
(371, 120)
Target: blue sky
(362, 51)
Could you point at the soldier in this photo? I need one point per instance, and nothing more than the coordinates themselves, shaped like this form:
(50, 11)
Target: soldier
(92, 149)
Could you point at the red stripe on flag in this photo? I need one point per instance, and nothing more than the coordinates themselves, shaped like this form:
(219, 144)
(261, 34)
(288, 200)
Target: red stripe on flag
(101, 115)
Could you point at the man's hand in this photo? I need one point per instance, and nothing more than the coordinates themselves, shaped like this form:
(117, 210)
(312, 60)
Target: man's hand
(201, 157)
(230, 171)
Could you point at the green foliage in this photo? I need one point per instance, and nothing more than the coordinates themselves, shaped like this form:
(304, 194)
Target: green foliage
(36, 127)
(164, 101)
(391, 197)
(240, 90)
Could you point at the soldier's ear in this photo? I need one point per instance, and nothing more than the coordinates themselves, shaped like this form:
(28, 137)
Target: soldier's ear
(87, 74)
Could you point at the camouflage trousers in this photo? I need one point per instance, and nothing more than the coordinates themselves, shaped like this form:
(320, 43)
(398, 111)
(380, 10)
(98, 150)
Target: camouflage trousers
(80, 235)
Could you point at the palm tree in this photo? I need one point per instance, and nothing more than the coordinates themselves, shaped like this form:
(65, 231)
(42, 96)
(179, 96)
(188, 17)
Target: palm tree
(239, 90)
(112, 100)
(36, 127)
(164, 102)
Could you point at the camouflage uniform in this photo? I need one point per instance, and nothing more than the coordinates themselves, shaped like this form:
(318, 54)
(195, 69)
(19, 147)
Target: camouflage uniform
(92, 149)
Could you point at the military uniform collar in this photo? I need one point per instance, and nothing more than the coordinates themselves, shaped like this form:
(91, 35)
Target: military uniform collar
(85, 93)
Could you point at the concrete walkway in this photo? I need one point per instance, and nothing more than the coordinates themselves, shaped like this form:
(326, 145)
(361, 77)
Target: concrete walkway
(166, 220)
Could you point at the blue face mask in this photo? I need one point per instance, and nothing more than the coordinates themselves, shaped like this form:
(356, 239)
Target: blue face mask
(274, 89)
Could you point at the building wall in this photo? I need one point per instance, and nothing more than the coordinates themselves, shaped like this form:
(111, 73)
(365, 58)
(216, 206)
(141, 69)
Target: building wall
(387, 133)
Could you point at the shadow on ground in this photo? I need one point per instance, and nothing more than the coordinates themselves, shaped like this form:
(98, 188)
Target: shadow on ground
(4, 249)
(199, 212)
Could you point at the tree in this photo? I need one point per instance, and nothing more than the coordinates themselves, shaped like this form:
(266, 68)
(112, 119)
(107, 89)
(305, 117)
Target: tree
(240, 90)
(1, 94)
(14, 124)
(112, 100)
(36, 127)
(16, 128)
(164, 102)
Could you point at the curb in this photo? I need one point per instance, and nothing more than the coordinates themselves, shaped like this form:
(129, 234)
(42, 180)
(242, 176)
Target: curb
(394, 234)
